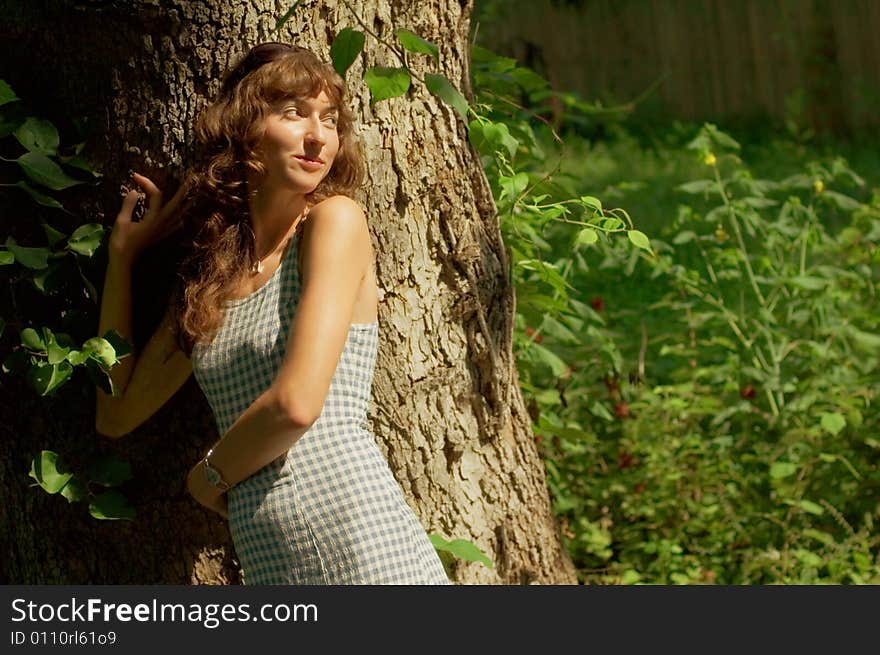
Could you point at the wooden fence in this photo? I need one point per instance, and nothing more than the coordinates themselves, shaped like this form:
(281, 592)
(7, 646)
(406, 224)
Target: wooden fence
(716, 58)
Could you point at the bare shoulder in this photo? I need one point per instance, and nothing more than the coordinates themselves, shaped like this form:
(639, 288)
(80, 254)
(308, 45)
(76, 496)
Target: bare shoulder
(336, 227)
(337, 210)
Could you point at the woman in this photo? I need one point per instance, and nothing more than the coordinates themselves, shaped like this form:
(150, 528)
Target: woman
(276, 317)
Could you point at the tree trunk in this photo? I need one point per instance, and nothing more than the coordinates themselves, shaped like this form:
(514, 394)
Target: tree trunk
(446, 409)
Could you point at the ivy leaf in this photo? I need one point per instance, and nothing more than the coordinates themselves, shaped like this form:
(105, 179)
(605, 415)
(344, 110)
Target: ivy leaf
(74, 491)
(101, 351)
(111, 505)
(488, 137)
(346, 47)
(386, 83)
(442, 88)
(43, 170)
(33, 258)
(414, 43)
(86, 239)
(280, 22)
(41, 198)
(639, 240)
(53, 235)
(120, 344)
(461, 548)
(6, 93)
(32, 340)
(46, 378)
(511, 187)
(38, 135)
(48, 470)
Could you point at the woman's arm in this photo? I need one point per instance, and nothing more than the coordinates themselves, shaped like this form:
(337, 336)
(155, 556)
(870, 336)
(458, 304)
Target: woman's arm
(152, 378)
(144, 384)
(333, 267)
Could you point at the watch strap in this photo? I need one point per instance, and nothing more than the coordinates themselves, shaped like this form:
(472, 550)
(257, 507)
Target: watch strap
(214, 476)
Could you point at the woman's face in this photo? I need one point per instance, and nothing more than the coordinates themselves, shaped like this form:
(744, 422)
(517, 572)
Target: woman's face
(300, 143)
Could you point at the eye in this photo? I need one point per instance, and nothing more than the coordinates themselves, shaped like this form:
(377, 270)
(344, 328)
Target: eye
(333, 119)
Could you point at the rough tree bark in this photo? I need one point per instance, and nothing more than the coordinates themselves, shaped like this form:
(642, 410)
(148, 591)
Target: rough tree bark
(446, 407)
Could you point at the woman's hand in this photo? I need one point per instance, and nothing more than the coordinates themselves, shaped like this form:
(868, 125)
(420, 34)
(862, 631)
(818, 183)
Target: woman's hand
(204, 492)
(128, 238)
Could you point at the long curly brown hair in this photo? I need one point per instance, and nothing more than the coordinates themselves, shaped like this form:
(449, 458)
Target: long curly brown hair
(215, 214)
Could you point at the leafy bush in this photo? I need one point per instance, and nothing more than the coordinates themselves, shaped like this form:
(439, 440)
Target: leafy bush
(703, 402)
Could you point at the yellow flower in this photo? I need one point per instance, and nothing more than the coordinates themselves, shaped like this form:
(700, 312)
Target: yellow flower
(709, 159)
(818, 186)
(721, 234)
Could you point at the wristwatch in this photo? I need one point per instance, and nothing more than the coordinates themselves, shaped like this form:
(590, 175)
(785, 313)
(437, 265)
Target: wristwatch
(215, 478)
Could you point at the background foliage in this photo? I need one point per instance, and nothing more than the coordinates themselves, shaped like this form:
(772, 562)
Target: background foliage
(706, 408)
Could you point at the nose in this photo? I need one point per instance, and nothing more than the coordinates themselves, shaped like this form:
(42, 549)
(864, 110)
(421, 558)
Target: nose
(315, 131)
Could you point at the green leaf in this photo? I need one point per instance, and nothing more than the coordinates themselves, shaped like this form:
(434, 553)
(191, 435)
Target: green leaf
(461, 548)
(591, 203)
(121, 345)
(780, 470)
(550, 358)
(684, 237)
(489, 137)
(100, 350)
(6, 93)
(811, 507)
(38, 135)
(639, 239)
(586, 236)
(49, 471)
(833, 422)
(53, 235)
(43, 170)
(111, 505)
(46, 378)
(32, 340)
(386, 83)
(6, 258)
(843, 202)
(77, 357)
(414, 43)
(55, 353)
(40, 198)
(346, 47)
(699, 186)
(808, 282)
(442, 88)
(86, 239)
(76, 161)
(74, 491)
(280, 22)
(109, 471)
(511, 187)
(33, 258)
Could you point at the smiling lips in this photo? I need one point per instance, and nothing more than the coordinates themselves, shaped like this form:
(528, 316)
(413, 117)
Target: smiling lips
(310, 164)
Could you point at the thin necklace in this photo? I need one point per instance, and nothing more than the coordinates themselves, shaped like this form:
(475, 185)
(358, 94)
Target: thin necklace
(257, 267)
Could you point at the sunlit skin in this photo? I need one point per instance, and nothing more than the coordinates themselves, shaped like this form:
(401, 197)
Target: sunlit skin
(297, 127)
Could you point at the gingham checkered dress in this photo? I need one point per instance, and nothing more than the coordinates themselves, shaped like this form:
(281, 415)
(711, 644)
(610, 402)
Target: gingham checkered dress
(329, 511)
